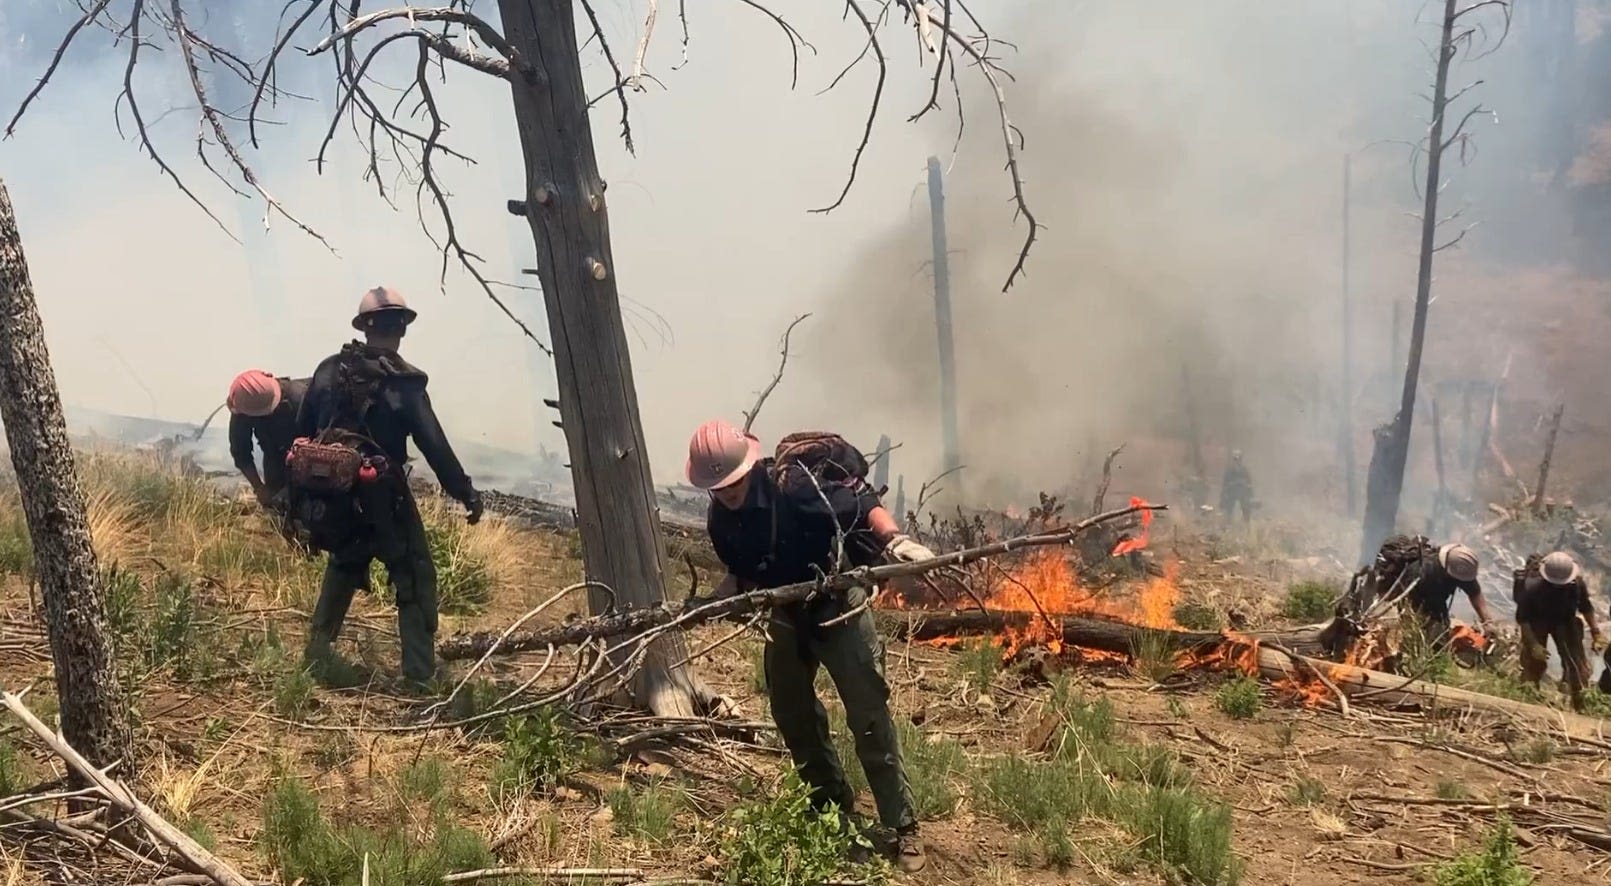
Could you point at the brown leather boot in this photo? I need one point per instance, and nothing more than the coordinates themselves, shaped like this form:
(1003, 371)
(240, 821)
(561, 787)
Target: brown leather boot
(909, 857)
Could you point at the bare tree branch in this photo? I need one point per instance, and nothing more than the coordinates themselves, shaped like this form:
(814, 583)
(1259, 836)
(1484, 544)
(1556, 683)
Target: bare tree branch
(488, 34)
(181, 34)
(939, 70)
(636, 80)
(90, 15)
(618, 88)
(872, 111)
(749, 417)
(795, 39)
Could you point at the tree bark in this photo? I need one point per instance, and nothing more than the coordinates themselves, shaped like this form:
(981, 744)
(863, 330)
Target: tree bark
(942, 322)
(1549, 455)
(622, 544)
(94, 714)
(1380, 516)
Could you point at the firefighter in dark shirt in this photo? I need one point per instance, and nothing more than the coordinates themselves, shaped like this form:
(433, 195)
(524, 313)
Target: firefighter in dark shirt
(1550, 594)
(384, 523)
(1236, 488)
(263, 409)
(1453, 568)
(769, 535)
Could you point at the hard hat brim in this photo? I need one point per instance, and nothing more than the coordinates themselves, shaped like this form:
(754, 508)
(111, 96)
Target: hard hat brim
(408, 314)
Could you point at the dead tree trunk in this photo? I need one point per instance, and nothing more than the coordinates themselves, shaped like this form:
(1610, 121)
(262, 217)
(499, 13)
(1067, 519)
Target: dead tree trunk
(942, 320)
(94, 715)
(1549, 455)
(1442, 500)
(622, 544)
(1346, 441)
(1381, 516)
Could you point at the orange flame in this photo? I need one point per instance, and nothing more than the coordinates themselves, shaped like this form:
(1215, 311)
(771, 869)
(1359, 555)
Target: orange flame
(1131, 545)
(1044, 587)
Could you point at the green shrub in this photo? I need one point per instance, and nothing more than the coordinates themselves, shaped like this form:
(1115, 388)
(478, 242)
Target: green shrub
(1451, 790)
(464, 581)
(305, 846)
(1152, 655)
(649, 814)
(1199, 617)
(121, 591)
(16, 546)
(1498, 864)
(539, 749)
(977, 664)
(784, 842)
(1310, 601)
(1538, 751)
(293, 693)
(1240, 699)
(1185, 834)
(1307, 791)
(13, 770)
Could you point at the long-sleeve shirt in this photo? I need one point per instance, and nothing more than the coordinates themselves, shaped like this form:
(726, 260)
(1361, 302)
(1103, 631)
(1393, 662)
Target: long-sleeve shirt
(273, 433)
(1539, 601)
(400, 410)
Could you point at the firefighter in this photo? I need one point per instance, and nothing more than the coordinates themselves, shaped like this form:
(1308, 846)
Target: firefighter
(1236, 488)
(770, 532)
(263, 408)
(1550, 593)
(367, 398)
(1437, 577)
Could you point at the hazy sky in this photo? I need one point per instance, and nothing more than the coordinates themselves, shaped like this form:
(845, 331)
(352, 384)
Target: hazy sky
(1184, 156)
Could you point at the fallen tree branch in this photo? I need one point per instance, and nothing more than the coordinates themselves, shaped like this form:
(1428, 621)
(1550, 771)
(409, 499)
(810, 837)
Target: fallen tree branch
(194, 855)
(636, 621)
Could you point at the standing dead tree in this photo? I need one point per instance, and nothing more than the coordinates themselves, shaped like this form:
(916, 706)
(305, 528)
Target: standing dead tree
(94, 717)
(534, 48)
(1464, 30)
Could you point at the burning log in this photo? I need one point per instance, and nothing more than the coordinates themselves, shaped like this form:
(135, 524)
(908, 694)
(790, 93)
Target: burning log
(1361, 683)
(1086, 633)
(633, 622)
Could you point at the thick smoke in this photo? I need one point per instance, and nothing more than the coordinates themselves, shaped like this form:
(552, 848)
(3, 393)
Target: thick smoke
(1185, 158)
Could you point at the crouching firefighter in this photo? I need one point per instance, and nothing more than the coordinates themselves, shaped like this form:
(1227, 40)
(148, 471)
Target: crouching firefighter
(350, 487)
(776, 521)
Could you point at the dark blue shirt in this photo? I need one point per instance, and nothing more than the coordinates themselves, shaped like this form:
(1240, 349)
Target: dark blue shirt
(790, 535)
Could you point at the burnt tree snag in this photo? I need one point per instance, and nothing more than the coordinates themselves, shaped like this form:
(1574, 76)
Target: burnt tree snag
(622, 543)
(94, 713)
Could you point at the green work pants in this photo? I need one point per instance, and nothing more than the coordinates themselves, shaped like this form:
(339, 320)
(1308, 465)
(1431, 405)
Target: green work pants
(853, 653)
(393, 533)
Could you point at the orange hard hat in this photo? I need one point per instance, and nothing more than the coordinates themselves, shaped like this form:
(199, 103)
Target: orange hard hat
(380, 302)
(255, 393)
(719, 455)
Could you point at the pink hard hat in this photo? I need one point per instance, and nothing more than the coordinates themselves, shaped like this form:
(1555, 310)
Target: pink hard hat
(382, 301)
(255, 393)
(719, 455)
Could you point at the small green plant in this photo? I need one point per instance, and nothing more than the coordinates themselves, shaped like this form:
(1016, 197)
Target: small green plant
(1451, 790)
(305, 846)
(464, 581)
(16, 546)
(216, 730)
(649, 814)
(539, 749)
(1497, 864)
(1056, 845)
(1287, 733)
(1310, 601)
(13, 770)
(1538, 751)
(1185, 834)
(977, 664)
(784, 842)
(171, 636)
(1177, 708)
(1307, 791)
(1240, 699)
(293, 693)
(1152, 655)
(122, 591)
(1199, 617)
(425, 781)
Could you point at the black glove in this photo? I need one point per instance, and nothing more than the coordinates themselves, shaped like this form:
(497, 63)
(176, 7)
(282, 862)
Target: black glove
(473, 505)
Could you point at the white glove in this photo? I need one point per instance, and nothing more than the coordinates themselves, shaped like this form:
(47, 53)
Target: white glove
(905, 550)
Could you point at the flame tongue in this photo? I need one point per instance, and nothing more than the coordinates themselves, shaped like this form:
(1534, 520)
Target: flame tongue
(1044, 587)
(1131, 545)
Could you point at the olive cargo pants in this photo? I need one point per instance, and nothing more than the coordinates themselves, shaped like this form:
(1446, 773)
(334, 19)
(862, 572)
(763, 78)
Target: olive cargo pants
(1568, 637)
(853, 654)
(394, 534)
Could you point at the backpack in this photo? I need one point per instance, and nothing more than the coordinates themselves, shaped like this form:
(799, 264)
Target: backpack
(814, 459)
(323, 471)
(825, 456)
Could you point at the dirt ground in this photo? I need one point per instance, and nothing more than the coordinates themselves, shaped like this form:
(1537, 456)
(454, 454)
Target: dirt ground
(1376, 797)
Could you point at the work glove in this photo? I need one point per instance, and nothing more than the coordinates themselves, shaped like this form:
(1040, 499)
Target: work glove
(903, 549)
(264, 496)
(474, 507)
(1597, 641)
